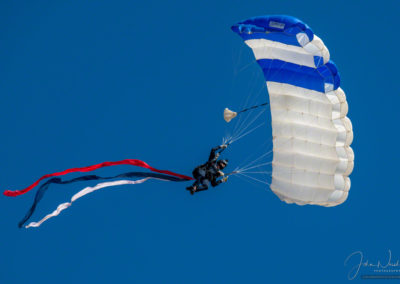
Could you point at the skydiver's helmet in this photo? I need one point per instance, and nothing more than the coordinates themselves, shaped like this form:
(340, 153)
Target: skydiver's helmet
(222, 164)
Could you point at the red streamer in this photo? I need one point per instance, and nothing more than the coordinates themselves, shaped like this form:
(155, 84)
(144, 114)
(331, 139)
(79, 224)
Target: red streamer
(132, 162)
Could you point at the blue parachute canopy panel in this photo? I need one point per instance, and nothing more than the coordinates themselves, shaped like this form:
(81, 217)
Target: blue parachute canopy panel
(290, 32)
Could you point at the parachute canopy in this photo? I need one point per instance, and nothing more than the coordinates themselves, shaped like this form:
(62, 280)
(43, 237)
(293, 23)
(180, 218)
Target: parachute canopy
(312, 157)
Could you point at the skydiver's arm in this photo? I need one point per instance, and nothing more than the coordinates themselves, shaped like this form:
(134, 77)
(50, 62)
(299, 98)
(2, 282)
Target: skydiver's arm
(216, 182)
(215, 152)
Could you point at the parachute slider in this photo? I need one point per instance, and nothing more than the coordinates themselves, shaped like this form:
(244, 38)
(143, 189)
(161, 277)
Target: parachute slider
(229, 114)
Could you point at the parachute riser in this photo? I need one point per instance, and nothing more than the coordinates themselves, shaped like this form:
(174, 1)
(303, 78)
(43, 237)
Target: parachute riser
(253, 107)
(229, 115)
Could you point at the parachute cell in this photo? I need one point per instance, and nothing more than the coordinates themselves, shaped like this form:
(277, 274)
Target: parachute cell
(312, 157)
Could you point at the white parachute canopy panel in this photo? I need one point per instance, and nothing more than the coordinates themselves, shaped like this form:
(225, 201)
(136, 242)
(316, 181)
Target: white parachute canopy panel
(312, 157)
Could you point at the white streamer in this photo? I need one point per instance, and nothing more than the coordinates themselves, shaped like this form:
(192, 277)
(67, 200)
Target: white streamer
(81, 193)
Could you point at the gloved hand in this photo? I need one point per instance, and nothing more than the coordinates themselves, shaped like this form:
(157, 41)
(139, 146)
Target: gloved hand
(224, 146)
(224, 179)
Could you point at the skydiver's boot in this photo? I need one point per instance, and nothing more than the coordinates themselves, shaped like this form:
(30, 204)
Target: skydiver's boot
(192, 189)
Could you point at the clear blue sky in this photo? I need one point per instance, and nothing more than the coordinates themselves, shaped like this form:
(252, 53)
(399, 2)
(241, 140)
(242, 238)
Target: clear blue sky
(88, 81)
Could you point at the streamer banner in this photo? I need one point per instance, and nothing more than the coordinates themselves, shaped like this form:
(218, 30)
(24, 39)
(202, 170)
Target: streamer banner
(132, 162)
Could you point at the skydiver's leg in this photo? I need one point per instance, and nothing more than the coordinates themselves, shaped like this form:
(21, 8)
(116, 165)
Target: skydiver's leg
(198, 180)
(199, 175)
(204, 185)
(195, 184)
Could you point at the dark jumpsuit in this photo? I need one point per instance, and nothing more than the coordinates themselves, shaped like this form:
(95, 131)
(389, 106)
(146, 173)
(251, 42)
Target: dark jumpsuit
(208, 172)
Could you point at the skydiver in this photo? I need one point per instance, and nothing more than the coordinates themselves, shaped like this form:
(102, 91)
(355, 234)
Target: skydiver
(210, 171)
